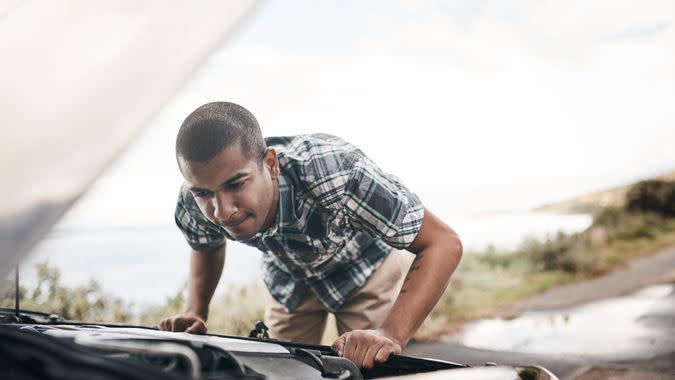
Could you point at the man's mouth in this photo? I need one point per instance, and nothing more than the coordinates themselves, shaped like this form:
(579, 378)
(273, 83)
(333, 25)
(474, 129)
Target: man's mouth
(235, 223)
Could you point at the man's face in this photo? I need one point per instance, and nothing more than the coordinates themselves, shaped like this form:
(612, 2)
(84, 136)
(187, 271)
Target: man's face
(237, 193)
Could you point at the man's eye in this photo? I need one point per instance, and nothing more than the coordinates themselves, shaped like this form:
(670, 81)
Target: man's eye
(200, 194)
(236, 185)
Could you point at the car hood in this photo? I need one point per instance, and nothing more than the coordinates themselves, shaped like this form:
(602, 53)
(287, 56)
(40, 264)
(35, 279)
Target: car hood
(149, 353)
(80, 79)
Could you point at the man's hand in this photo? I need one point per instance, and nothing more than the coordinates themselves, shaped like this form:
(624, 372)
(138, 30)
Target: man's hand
(205, 271)
(187, 323)
(366, 347)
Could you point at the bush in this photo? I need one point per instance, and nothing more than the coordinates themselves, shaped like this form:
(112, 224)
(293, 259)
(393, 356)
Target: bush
(609, 217)
(652, 196)
(628, 225)
(640, 226)
(561, 252)
(82, 303)
(492, 258)
(236, 311)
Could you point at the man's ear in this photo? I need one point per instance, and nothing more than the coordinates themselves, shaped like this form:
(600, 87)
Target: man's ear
(271, 162)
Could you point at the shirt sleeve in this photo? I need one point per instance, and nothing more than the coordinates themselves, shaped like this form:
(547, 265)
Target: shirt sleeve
(200, 233)
(381, 205)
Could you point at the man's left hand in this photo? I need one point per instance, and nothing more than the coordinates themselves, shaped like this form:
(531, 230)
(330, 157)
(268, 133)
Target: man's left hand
(366, 347)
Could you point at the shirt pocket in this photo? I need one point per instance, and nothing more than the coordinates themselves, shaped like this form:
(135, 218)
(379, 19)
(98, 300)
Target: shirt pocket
(304, 251)
(336, 234)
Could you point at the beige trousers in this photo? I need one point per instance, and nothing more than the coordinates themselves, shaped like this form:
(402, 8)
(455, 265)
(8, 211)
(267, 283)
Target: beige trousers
(366, 309)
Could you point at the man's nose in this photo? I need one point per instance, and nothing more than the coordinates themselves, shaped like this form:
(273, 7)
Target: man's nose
(223, 206)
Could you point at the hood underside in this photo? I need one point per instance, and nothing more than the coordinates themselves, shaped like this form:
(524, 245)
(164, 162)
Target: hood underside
(79, 80)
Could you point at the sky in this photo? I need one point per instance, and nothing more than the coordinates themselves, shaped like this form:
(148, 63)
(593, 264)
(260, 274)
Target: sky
(478, 106)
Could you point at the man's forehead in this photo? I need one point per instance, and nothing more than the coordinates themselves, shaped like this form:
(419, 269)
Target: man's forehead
(226, 165)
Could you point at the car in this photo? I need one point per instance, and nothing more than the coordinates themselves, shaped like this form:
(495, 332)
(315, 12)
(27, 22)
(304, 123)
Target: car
(42, 346)
(62, 127)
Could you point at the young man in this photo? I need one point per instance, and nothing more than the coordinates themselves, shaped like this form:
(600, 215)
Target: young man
(326, 219)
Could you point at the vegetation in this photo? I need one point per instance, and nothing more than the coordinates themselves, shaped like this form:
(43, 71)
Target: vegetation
(234, 312)
(83, 303)
(485, 282)
(654, 196)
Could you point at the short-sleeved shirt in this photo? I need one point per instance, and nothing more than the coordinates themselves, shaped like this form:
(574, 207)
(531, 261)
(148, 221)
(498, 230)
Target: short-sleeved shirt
(338, 218)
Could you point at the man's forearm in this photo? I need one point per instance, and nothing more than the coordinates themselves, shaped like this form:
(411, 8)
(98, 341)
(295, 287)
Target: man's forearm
(205, 271)
(427, 279)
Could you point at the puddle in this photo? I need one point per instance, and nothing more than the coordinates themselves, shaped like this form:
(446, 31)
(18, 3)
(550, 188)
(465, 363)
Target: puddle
(639, 325)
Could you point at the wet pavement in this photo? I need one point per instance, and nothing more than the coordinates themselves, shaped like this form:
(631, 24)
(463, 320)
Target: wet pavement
(561, 365)
(639, 325)
(631, 335)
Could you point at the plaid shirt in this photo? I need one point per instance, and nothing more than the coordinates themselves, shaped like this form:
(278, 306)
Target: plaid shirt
(339, 216)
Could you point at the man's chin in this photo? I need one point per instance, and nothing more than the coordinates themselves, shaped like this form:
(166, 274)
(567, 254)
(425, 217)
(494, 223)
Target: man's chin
(241, 234)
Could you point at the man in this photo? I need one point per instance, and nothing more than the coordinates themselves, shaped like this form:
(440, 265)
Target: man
(325, 217)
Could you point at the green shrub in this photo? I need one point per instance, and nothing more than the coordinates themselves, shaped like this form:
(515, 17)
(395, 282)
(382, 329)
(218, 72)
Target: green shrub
(555, 253)
(653, 196)
(493, 258)
(82, 303)
(628, 225)
(609, 217)
(641, 226)
(236, 311)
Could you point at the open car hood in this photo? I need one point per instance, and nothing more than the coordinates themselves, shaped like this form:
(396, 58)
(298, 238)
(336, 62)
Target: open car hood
(79, 80)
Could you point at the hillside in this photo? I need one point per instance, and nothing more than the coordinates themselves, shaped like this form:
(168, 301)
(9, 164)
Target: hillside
(589, 203)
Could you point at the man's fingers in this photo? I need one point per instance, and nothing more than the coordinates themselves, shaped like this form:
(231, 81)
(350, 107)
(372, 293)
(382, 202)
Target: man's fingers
(369, 357)
(197, 327)
(339, 345)
(181, 323)
(359, 353)
(383, 353)
(350, 347)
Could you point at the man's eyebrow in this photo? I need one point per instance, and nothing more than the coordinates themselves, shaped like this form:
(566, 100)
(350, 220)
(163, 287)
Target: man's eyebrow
(234, 178)
(225, 183)
(193, 189)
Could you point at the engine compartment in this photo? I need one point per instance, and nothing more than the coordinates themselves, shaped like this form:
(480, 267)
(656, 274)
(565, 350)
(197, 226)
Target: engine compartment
(43, 347)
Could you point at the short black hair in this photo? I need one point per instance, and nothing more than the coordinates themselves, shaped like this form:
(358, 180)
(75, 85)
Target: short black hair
(211, 128)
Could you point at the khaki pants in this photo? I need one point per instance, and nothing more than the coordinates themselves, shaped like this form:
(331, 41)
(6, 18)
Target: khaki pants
(366, 309)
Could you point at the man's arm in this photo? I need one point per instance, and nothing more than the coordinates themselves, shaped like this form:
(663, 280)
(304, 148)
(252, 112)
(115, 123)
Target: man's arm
(438, 250)
(205, 271)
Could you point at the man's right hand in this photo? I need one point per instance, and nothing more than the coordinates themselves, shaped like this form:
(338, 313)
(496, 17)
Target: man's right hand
(205, 271)
(183, 323)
